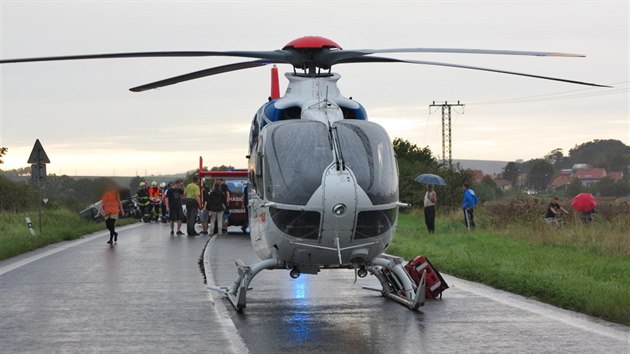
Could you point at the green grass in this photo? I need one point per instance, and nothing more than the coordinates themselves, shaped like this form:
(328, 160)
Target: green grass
(57, 225)
(566, 268)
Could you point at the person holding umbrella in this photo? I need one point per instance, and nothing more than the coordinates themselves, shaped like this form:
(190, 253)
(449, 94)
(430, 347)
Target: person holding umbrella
(430, 199)
(584, 203)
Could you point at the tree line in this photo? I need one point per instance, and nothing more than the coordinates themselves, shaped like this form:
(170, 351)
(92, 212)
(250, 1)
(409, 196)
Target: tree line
(59, 191)
(611, 155)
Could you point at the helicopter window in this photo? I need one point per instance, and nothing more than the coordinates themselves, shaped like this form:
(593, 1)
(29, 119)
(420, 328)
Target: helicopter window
(374, 222)
(274, 114)
(351, 113)
(296, 155)
(368, 152)
(253, 134)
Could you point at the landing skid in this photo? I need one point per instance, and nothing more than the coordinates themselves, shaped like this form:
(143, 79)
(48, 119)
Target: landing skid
(396, 283)
(237, 293)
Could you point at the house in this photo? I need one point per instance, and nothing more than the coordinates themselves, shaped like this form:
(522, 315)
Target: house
(503, 184)
(561, 181)
(589, 176)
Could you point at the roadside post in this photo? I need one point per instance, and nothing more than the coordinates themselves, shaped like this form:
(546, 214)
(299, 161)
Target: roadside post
(30, 225)
(38, 160)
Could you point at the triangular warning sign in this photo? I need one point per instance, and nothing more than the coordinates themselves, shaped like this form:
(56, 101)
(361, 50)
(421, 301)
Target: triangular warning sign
(38, 155)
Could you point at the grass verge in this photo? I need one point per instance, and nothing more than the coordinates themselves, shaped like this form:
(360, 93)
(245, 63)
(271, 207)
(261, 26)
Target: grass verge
(58, 225)
(584, 279)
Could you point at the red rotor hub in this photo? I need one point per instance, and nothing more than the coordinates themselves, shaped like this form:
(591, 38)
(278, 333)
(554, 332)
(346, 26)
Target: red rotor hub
(311, 42)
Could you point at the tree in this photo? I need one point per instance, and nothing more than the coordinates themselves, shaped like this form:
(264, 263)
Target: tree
(574, 188)
(557, 159)
(134, 184)
(540, 174)
(222, 168)
(413, 161)
(610, 154)
(511, 172)
(487, 189)
(3, 151)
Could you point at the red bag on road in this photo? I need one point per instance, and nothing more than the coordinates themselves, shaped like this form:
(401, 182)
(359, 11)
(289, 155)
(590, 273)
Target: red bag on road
(435, 283)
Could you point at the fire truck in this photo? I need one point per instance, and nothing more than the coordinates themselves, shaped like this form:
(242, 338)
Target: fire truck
(236, 180)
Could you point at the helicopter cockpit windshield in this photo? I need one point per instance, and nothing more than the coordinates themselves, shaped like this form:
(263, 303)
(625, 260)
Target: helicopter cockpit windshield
(296, 155)
(298, 152)
(368, 152)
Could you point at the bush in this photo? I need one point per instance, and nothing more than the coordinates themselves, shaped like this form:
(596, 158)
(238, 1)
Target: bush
(16, 196)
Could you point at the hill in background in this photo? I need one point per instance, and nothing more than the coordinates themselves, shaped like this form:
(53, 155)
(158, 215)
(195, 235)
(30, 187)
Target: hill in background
(488, 167)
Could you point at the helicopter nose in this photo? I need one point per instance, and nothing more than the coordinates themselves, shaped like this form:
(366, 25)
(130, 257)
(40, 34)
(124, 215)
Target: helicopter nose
(339, 209)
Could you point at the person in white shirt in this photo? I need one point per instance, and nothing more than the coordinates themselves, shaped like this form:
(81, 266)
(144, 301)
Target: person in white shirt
(430, 199)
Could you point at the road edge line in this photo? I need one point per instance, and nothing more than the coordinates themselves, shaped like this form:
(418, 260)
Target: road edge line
(237, 345)
(57, 247)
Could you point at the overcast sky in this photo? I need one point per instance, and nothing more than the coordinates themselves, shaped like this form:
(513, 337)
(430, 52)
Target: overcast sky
(90, 124)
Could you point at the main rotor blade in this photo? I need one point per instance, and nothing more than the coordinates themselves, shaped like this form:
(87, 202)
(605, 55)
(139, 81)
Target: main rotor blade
(278, 55)
(202, 73)
(392, 60)
(466, 51)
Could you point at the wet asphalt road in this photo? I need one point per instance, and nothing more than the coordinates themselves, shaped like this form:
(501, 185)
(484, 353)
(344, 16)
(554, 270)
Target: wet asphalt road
(146, 295)
(328, 313)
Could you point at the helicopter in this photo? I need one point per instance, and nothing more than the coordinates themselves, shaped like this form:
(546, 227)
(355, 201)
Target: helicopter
(323, 179)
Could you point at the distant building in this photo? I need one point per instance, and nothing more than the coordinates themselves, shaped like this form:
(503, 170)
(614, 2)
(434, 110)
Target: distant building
(589, 176)
(477, 176)
(561, 182)
(503, 184)
(586, 174)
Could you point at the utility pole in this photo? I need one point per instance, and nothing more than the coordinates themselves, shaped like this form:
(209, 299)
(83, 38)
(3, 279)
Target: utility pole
(446, 129)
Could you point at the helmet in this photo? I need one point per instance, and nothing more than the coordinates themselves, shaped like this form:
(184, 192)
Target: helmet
(142, 184)
(154, 184)
(162, 185)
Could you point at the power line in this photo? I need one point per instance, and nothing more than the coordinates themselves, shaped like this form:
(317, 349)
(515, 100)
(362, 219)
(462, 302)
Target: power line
(564, 95)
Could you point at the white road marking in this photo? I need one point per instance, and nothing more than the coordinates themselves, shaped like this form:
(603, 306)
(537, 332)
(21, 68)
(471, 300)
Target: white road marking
(574, 319)
(236, 343)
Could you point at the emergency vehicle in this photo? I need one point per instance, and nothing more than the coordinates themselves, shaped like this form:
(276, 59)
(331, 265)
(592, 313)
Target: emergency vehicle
(236, 180)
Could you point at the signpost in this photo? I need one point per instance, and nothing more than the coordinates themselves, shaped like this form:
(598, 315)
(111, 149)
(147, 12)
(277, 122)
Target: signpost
(38, 160)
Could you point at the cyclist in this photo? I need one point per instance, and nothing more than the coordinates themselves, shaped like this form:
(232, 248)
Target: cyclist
(554, 210)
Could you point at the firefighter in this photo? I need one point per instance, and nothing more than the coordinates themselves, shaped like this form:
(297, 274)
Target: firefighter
(155, 196)
(142, 196)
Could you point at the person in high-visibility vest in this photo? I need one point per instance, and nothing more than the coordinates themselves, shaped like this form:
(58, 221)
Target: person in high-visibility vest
(155, 196)
(112, 207)
(142, 197)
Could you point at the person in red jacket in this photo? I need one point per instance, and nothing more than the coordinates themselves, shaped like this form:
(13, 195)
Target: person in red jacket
(155, 197)
(112, 207)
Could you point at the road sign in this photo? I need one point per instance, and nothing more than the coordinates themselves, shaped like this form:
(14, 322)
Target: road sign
(38, 155)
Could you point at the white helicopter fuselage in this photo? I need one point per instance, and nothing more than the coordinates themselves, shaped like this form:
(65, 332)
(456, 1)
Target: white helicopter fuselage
(323, 188)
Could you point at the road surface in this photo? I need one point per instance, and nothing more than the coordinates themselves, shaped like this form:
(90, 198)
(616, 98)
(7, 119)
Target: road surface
(147, 294)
